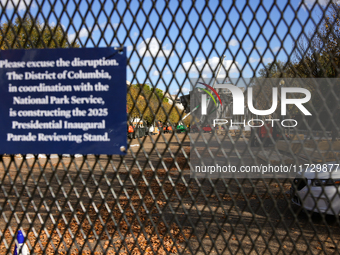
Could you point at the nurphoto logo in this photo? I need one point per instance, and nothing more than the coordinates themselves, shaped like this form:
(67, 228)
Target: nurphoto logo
(238, 99)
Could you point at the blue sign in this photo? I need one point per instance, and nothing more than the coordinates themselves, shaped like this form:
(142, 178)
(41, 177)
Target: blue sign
(56, 101)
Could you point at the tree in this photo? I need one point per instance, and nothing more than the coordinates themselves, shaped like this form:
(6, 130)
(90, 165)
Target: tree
(26, 33)
(273, 70)
(150, 104)
(316, 55)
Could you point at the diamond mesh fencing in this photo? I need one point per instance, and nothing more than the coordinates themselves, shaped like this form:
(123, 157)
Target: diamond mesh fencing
(206, 163)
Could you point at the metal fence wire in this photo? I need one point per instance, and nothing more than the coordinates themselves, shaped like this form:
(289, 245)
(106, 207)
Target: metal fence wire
(149, 201)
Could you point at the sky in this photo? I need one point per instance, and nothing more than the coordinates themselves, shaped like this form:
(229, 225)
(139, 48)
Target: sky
(170, 42)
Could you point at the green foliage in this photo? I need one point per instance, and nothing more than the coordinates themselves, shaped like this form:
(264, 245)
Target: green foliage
(150, 104)
(31, 34)
(160, 94)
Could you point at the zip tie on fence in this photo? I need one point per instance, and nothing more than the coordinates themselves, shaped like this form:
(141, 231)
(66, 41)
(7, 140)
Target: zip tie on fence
(22, 248)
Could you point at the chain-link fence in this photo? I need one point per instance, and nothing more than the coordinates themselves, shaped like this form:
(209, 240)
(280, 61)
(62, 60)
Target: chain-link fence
(173, 192)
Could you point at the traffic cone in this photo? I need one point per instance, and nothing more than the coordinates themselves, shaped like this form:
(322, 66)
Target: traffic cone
(22, 248)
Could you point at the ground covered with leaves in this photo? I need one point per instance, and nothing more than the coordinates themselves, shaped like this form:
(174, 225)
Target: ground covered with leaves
(133, 220)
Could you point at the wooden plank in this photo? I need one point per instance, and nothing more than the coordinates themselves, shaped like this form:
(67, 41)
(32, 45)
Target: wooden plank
(317, 156)
(275, 158)
(309, 149)
(295, 146)
(323, 144)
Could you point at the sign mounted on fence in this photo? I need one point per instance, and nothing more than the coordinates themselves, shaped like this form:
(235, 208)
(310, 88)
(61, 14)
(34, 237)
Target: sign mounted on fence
(57, 101)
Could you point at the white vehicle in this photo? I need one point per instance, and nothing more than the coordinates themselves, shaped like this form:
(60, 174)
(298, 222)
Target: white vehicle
(317, 188)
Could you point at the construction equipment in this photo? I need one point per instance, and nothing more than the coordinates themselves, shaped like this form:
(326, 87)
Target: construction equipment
(181, 127)
(137, 129)
(203, 117)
